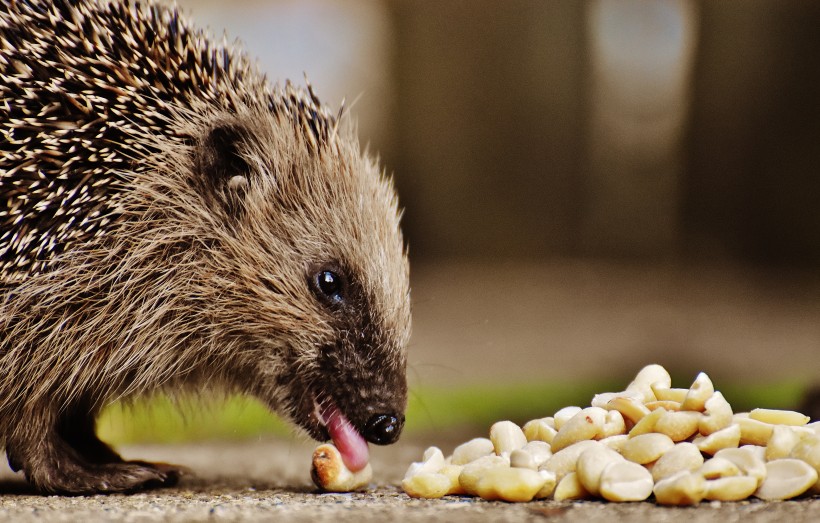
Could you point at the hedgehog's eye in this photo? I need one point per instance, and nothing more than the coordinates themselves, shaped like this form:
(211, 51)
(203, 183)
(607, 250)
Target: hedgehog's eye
(329, 286)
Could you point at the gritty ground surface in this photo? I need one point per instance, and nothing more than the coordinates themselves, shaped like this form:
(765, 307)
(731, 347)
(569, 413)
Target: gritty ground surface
(268, 481)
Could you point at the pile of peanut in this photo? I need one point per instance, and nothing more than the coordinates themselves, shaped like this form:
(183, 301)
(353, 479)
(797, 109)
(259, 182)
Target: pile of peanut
(682, 445)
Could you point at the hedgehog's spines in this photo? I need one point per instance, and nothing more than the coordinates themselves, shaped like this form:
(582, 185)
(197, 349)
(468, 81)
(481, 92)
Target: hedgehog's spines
(100, 95)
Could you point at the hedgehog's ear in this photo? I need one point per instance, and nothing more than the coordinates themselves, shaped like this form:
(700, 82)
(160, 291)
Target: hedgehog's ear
(222, 169)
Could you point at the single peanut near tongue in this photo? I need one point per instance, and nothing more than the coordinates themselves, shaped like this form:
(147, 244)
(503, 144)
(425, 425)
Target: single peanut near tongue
(330, 473)
(648, 442)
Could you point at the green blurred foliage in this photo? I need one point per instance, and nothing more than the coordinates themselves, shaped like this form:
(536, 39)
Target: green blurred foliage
(430, 410)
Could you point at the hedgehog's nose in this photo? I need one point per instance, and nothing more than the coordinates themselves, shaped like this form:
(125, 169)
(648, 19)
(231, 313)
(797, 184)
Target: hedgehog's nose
(383, 429)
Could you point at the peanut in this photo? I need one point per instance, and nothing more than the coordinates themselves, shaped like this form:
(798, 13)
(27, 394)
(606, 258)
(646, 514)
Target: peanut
(591, 464)
(539, 451)
(683, 488)
(731, 488)
(630, 408)
(585, 425)
(700, 391)
(715, 468)
(785, 479)
(747, 459)
(753, 432)
(784, 439)
(472, 450)
(614, 424)
(728, 437)
(564, 415)
(509, 484)
(625, 481)
(522, 460)
(601, 400)
(570, 487)
(779, 417)
(430, 485)
(330, 473)
(472, 472)
(668, 394)
(565, 461)
(717, 415)
(681, 457)
(646, 448)
(540, 430)
(647, 424)
(507, 437)
(678, 425)
(647, 377)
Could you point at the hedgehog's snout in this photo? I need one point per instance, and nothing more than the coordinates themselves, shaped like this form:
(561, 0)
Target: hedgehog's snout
(384, 429)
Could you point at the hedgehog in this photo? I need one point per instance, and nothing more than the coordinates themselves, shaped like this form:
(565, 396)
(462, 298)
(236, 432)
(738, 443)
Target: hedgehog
(171, 222)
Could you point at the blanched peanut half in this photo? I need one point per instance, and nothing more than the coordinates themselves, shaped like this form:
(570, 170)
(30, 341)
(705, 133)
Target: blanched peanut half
(564, 415)
(453, 472)
(722, 439)
(549, 485)
(630, 408)
(625, 481)
(586, 424)
(646, 378)
(779, 417)
(683, 488)
(646, 448)
(715, 468)
(785, 479)
(808, 450)
(614, 424)
(678, 425)
(432, 461)
(700, 391)
(668, 394)
(716, 416)
(330, 473)
(471, 451)
(615, 442)
(540, 430)
(601, 400)
(472, 472)
(731, 488)
(429, 485)
(507, 437)
(570, 488)
(784, 439)
(747, 459)
(666, 404)
(522, 460)
(681, 457)
(539, 451)
(647, 424)
(752, 431)
(591, 464)
(565, 461)
(509, 484)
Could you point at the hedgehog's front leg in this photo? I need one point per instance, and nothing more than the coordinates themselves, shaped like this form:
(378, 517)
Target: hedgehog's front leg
(78, 429)
(57, 459)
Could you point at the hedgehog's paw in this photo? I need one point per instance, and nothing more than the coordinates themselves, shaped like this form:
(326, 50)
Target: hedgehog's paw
(172, 472)
(52, 466)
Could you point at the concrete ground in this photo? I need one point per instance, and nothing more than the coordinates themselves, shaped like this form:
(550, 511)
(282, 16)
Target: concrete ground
(268, 480)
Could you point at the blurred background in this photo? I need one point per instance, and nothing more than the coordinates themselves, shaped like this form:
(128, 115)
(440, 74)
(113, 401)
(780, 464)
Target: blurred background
(589, 187)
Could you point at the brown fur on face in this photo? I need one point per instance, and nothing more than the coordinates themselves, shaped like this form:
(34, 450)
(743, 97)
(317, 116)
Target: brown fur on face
(189, 259)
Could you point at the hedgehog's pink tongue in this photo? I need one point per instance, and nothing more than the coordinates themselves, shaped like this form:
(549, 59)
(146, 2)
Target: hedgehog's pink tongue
(347, 439)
